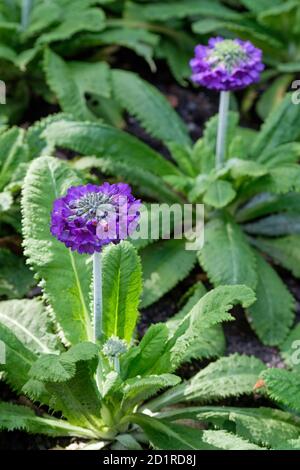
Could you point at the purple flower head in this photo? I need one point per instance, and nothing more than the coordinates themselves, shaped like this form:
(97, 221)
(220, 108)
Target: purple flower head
(226, 64)
(89, 217)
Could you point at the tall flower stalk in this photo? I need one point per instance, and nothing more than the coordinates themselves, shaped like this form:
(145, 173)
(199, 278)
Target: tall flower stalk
(222, 128)
(226, 65)
(97, 286)
(89, 217)
(25, 13)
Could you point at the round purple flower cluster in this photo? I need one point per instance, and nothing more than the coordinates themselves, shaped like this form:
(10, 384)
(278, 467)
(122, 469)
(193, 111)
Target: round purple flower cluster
(89, 217)
(226, 64)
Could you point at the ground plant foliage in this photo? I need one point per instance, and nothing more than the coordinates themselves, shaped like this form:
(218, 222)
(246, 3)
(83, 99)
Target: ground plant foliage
(123, 345)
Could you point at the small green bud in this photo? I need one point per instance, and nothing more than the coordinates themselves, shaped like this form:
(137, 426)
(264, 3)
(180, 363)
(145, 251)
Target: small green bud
(114, 347)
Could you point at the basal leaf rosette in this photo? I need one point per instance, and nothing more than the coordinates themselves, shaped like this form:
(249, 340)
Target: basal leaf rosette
(89, 217)
(226, 64)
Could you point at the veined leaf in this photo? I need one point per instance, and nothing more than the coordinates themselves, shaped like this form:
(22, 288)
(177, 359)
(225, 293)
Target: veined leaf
(266, 203)
(283, 387)
(281, 155)
(61, 82)
(263, 426)
(46, 180)
(166, 436)
(137, 390)
(149, 106)
(284, 251)
(210, 310)
(275, 225)
(231, 376)
(15, 417)
(90, 20)
(12, 153)
(228, 441)
(122, 286)
(140, 359)
(148, 183)
(272, 315)
(102, 141)
(18, 359)
(281, 127)
(226, 256)
(219, 194)
(211, 342)
(28, 320)
(164, 265)
(61, 368)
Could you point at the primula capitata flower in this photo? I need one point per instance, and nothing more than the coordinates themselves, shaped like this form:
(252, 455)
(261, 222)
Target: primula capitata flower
(91, 216)
(226, 64)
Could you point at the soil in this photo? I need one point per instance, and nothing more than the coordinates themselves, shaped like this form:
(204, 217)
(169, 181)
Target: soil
(195, 107)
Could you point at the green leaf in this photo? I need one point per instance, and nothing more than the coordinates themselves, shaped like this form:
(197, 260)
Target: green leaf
(211, 342)
(227, 377)
(165, 436)
(46, 180)
(281, 155)
(141, 41)
(12, 153)
(266, 203)
(273, 96)
(122, 286)
(139, 389)
(227, 441)
(263, 426)
(141, 358)
(161, 262)
(149, 106)
(148, 183)
(272, 315)
(275, 225)
(104, 141)
(163, 11)
(21, 418)
(62, 83)
(280, 128)
(61, 368)
(15, 277)
(245, 168)
(210, 310)
(290, 349)
(28, 320)
(219, 194)
(226, 256)
(283, 250)
(90, 20)
(18, 359)
(283, 387)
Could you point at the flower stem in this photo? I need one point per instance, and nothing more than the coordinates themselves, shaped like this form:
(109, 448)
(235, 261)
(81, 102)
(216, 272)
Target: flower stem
(222, 128)
(26, 9)
(97, 277)
(117, 364)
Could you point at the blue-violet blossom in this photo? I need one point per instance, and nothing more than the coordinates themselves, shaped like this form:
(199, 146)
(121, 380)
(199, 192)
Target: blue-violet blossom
(226, 64)
(89, 217)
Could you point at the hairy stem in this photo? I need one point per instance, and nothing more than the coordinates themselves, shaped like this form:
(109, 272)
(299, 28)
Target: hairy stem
(97, 277)
(26, 9)
(222, 128)
(117, 365)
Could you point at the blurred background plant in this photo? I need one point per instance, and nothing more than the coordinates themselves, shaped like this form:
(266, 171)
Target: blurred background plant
(86, 35)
